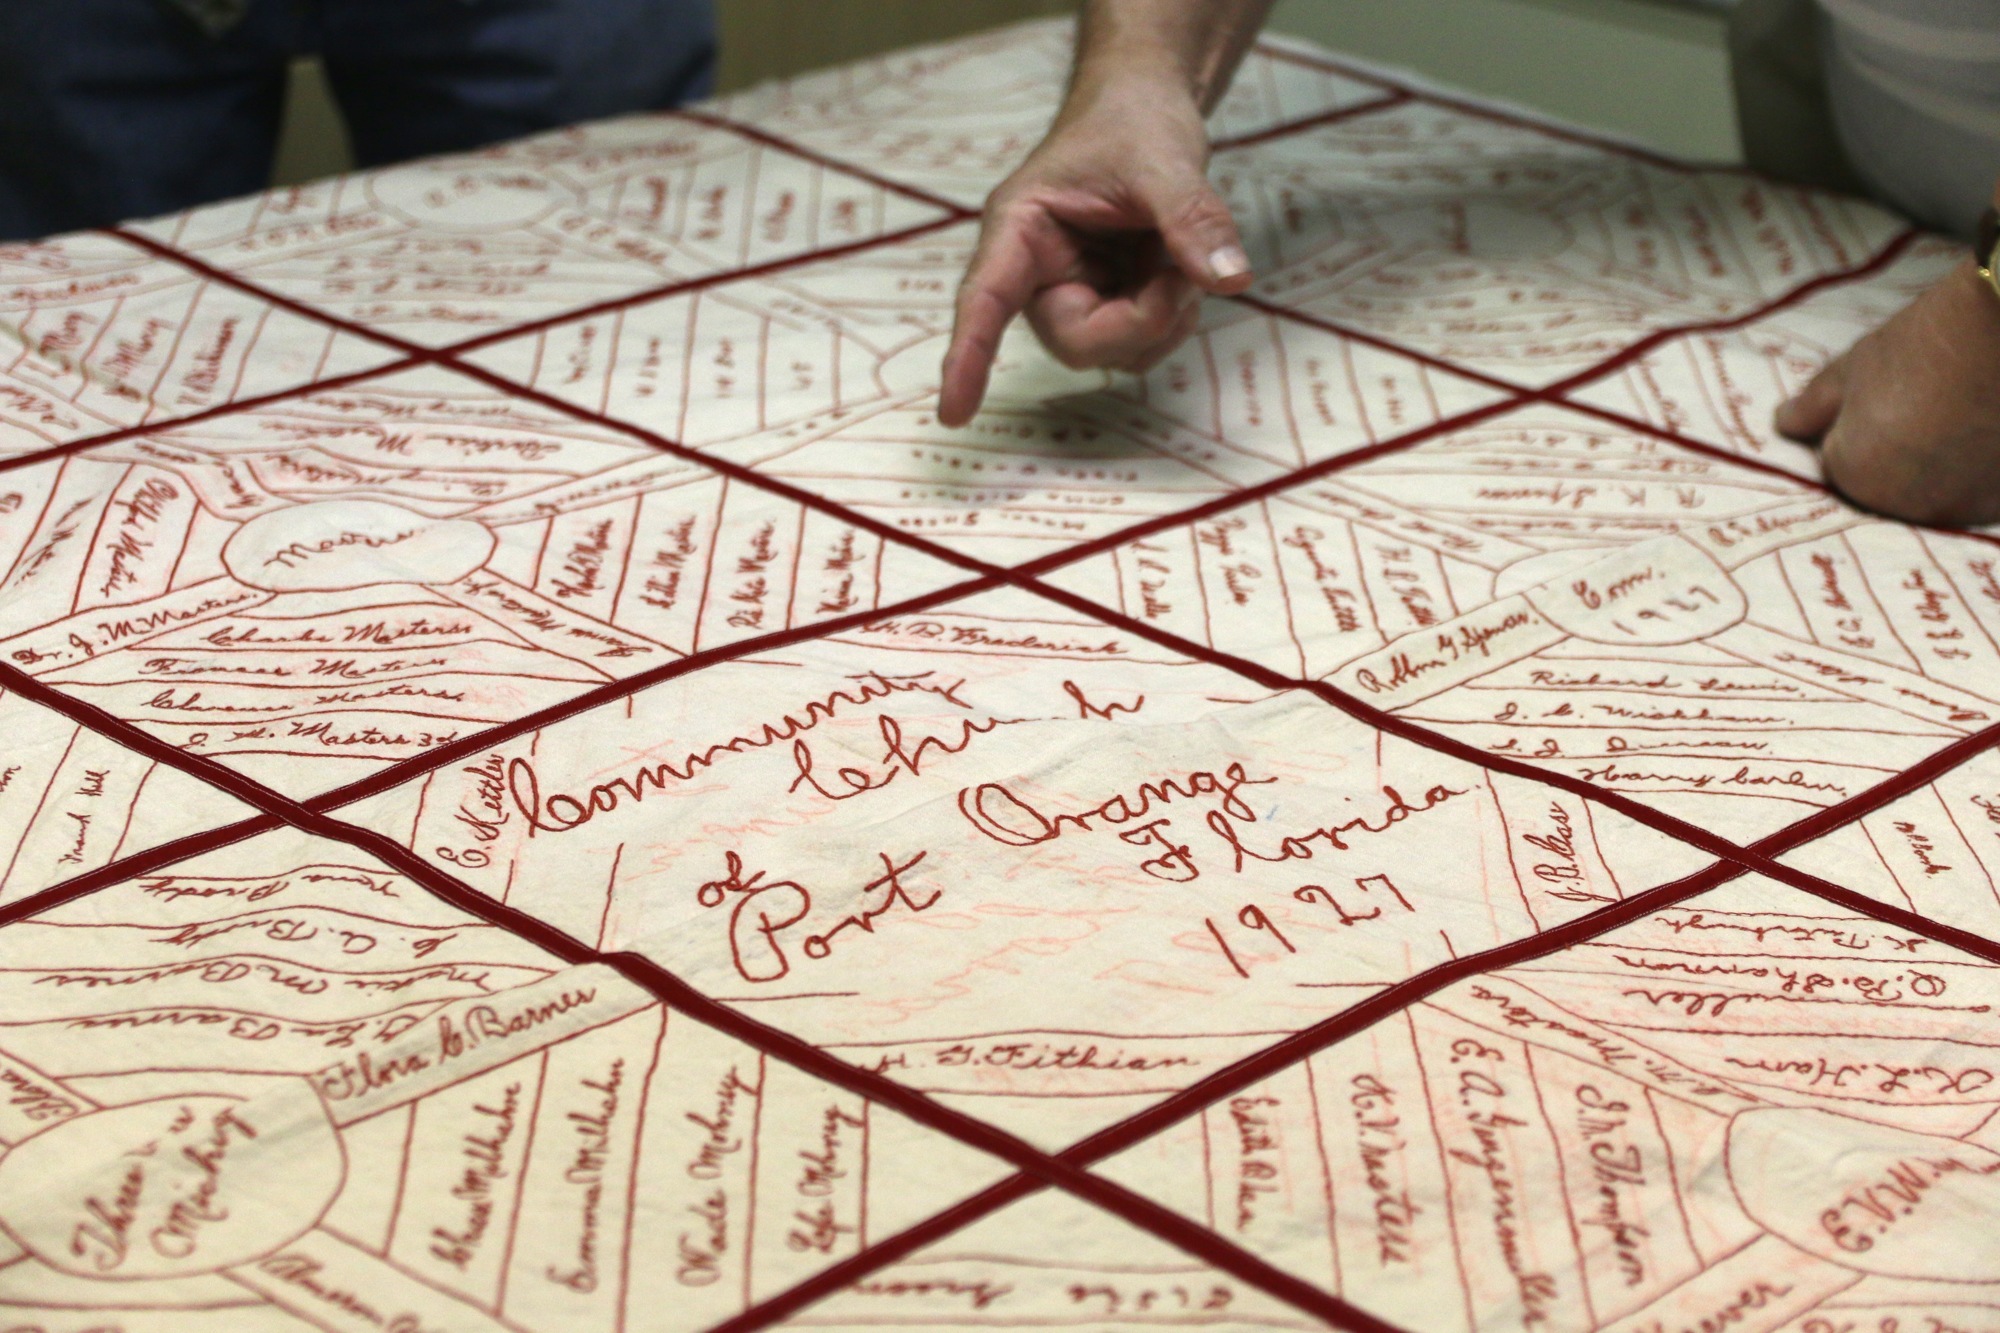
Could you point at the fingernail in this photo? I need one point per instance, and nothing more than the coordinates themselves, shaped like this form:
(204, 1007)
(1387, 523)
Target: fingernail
(1229, 262)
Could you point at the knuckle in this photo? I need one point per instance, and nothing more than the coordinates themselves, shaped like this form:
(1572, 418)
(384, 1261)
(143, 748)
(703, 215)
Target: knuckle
(1007, 209)
(1070, 350)
(1200, 210)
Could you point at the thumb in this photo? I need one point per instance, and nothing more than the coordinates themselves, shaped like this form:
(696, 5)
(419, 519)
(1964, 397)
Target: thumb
(1812, 413)
(1200, 234)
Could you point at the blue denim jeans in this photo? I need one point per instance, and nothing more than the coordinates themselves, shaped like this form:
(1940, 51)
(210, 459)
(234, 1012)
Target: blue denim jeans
(113, 109)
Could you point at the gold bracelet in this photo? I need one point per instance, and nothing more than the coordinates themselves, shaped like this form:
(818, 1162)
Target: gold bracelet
(1986, 248)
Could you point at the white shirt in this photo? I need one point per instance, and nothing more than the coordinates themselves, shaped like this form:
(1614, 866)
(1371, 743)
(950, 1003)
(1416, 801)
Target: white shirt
(1915, 87)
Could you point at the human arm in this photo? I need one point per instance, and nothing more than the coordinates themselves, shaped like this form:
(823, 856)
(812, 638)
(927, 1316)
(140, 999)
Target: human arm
(1108, 235)
(1908, 419)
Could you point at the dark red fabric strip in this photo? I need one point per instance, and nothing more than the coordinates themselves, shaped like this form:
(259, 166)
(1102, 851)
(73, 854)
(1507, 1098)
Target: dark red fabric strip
(794, 148)
(798, 495)
(1693, 445)
(1249, 495)
(684, 286)
(1224, 1083)
(1920, 774)
(134, 866)
(1880, 260)
(1286, 129)
(877, 1255)
(1387, 1003)
(1396, 725)
(236, 408)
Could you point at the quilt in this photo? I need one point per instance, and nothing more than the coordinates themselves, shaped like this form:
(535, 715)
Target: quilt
(541, 790)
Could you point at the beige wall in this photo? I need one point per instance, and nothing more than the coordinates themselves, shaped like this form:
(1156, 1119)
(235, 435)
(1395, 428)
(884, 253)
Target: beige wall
(1654, 71)
(764, 39)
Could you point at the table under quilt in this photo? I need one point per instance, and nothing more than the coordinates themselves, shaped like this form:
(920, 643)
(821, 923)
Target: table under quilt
(541, 790)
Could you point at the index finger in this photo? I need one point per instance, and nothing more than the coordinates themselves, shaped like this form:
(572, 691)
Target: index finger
(1000, 281)
(1810, 414)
